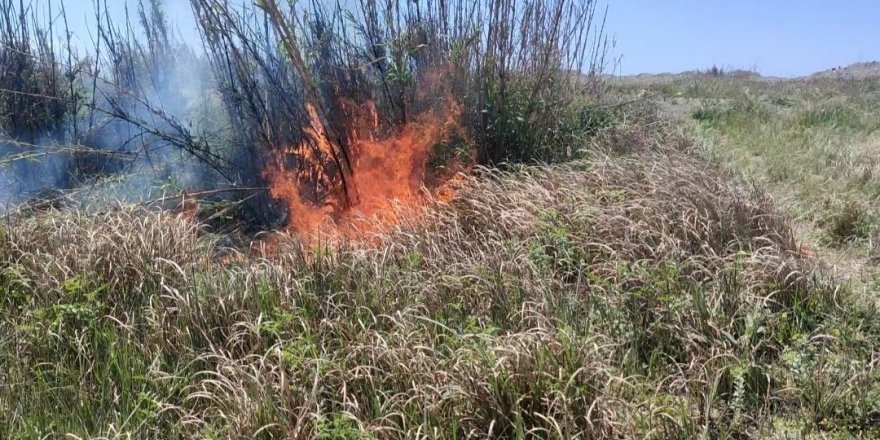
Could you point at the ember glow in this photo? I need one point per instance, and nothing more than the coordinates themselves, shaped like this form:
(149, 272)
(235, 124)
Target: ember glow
(388, 177)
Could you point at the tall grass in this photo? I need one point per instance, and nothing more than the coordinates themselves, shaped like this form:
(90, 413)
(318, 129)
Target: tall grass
(37, 88)
(134, 106)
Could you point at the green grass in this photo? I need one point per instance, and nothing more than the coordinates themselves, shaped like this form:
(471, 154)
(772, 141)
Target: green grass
(813, 144)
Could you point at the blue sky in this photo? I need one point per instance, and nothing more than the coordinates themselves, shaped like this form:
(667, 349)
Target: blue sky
(776, 37)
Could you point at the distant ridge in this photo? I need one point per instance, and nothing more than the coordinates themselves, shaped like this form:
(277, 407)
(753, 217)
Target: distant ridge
(855, 71)
(865, 70)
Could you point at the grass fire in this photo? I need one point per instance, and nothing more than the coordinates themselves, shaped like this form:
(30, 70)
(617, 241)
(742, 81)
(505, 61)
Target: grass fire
(387, 173)
(423, 219)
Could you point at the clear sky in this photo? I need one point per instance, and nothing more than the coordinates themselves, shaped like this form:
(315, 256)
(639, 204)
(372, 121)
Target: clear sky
(81, 15)
(776, 37)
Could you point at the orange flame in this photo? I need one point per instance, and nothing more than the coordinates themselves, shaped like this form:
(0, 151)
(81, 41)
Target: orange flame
(388, 172)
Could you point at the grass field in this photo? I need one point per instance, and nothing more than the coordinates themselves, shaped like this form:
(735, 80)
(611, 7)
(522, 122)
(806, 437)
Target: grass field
(642, 297)
(812, 143)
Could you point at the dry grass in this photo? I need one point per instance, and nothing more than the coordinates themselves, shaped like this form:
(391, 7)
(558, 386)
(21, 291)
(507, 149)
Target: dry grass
(638, 297)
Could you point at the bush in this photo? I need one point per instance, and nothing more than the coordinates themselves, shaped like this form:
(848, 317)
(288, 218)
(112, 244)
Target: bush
(830, 114)
(850, 222)
(742, 110)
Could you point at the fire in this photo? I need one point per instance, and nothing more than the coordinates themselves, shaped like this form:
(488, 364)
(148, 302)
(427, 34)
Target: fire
(388, 173)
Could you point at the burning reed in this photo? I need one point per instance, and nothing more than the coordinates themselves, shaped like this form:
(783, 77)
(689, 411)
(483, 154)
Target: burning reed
(348, 112)
(339, 111)
(388, 172)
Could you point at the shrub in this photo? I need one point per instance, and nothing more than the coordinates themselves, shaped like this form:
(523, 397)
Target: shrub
(830, 114)
(743, 110)
(850, 222)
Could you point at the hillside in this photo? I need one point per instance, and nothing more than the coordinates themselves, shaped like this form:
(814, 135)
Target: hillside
(855, 71)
